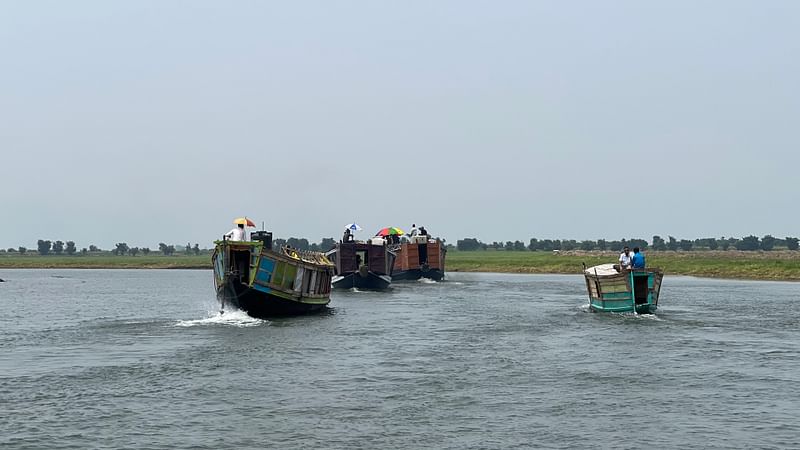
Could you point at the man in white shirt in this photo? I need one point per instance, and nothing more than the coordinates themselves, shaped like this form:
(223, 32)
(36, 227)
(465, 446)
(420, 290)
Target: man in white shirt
(625, 258)
(414, 230)
(236, 234)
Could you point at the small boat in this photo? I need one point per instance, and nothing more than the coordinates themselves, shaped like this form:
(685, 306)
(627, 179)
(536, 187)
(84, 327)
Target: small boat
(263, 282)
(363, 265)
(623, 291)
(421, 257)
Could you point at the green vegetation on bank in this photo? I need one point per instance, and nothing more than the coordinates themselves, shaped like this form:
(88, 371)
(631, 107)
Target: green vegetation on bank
(105, 261)
(774, 265)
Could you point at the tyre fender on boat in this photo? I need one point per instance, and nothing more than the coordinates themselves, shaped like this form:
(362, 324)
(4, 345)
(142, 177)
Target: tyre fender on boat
(363, 271)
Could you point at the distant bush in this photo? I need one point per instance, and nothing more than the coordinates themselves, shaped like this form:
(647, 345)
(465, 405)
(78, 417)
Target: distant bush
(469, 244)
(749, 243)
(43, 246)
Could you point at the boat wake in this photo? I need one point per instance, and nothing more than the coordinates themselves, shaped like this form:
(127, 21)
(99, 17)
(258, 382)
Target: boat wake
(234, 318)
(427, 281)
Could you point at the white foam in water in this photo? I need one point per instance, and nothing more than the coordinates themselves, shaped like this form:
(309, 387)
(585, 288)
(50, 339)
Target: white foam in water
(234, 318)
(647, 317)
(427, 281)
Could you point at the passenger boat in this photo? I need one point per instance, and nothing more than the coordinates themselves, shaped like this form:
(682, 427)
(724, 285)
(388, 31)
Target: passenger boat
(421, 257)
(623, 291)
(251, 276)
(363, 265)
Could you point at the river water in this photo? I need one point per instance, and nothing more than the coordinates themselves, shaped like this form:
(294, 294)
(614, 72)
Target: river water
(142, 359)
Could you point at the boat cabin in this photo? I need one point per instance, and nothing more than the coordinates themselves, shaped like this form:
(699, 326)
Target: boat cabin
(420, 252)
(373, 255)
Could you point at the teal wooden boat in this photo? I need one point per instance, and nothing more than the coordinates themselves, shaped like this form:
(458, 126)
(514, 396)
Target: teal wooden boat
(624, 291)
(251, 276)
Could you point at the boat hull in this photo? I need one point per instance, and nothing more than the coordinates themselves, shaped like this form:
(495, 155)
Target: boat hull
(371, 281)
(621, 307)
(417, 274)
(264, 305)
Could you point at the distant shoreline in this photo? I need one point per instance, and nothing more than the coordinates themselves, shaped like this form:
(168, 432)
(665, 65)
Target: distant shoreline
(774, 266)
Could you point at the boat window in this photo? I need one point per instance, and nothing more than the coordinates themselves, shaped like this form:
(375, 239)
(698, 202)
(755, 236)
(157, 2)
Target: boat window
(289, 276)
(277, 276)
(306, 280)
(298, 279)
(312, 284)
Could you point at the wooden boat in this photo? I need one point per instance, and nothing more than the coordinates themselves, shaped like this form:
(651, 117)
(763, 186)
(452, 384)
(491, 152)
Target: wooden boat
(251, 276)
(363, 265)
(626, 291)
(420, 258)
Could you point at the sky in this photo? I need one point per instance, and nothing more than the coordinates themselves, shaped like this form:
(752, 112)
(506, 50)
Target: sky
(148, 121)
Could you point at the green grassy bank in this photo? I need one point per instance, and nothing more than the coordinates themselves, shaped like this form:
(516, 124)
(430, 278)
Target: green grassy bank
(104, 261)
(783, 265)
(775, 265)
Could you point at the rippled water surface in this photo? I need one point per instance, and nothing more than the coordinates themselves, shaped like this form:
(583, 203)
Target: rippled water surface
(142, 359)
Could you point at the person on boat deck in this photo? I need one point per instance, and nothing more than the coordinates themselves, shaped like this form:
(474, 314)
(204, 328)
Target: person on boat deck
(625, 258)
(422, 231)
(348, 235)
(236, 234)
(637, 260)
(414, 230)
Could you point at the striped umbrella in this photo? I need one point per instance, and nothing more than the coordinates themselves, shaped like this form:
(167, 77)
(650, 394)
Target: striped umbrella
(390, 231)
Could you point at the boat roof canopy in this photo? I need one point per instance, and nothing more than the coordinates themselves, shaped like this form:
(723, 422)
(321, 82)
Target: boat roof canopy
(602, 269)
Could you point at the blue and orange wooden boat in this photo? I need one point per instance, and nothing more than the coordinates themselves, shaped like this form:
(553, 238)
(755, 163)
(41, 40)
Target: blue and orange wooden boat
(251, 276)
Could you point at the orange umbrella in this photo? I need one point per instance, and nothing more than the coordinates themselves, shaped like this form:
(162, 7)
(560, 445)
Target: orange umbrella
(244, 221)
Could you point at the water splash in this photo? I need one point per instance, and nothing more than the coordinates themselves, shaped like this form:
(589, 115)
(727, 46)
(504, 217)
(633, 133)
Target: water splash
(234, 318)
(426, 281)
(644, 317)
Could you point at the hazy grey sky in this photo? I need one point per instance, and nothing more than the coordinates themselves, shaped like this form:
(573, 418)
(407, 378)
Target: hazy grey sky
(151, 121)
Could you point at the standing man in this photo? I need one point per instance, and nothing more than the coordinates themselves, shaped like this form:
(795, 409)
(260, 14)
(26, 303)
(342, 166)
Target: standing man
(236, 234)
(625, 259)
(637, 260)
(414, 230)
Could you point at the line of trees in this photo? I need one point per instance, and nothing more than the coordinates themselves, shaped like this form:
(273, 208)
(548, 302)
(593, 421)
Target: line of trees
(46, 247)
(748, 243)
(303, 244)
